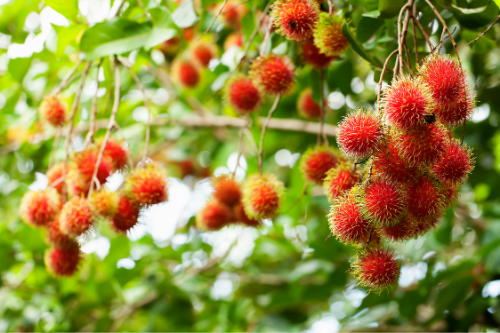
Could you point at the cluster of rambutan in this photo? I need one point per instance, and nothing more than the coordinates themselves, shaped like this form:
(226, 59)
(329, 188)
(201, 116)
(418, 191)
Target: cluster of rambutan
(65, 221)
(415, 167)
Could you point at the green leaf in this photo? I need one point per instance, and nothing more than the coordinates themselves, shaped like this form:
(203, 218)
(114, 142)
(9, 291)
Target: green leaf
(497, 2)
(162, 27)
(185, 16)
(367, 27)
(475, 15)
(116, 37)
(390, 8)
(357, 46)
(68, 8)
(18, 68)
(67, 36)
(482, 45)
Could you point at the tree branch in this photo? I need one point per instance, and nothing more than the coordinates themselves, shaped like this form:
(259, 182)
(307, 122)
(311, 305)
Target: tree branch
(484, 32)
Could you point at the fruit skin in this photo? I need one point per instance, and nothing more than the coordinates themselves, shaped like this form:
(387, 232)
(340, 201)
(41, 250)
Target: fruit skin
(242, 94)
(314, 58)
(261, 196)
(449, 87)
(85, 162)
(307, 106)
(423, 145)
(359, 133)
(340, 179)
(425, 198)
(147, 185)
(56, 237)
(454, 164)
(239, 215)
(54, 110)
(76, 217)
(55, 173)
(407, 101)
(346, 220)
(387, 161)
(202, 52)
(328, 36)
(77, 185)
(273, 74)
(376, 269)
(227, 190)
(104, 203)
(126, 215)
(295, 19)
(63, 261)
(116, 151)
(39, 208)
(401, 232)
(185, 73)
(384, 202)
(316, 162)
(213, 216)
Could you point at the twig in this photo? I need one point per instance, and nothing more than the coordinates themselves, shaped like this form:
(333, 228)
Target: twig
(442, 40)
(65, 81)
(330, 7)
(55, 146)
(382, 78)
(213, 21)
(321, 134)
(93, 112)
(399, 61)
(266, 37)
(264, 126)
(484, 32)
(414, 19)
(415, 41)
(443, 22)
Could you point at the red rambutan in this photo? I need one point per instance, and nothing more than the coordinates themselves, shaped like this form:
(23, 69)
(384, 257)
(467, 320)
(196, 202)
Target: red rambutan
(77, 185)
(312, 57)
(104, 203)
(85, 162)
(185, 73)
(422, 226)
(315, 163)
(239, 215)
(328, 36)
(116, 151)
(63, 261)
(425, 199)
(226, 190)
(387, 161)
(54, 174)
(54, 110)
(295, 19)
(56, 237)
(384, 202)
(407, 102)
(147, 185)
(454, 164)
(39, 208)
(202, 52)
(126, 215)
(171, 46)
(359, 133)
(76, 217)
(376, 269)
(233, 39)
(273, 74)
(422, 146)
(213, 216)
(450, 194)
(261, 196)
(307, 106)
(242, 95)
(401, 232)
(339, 180)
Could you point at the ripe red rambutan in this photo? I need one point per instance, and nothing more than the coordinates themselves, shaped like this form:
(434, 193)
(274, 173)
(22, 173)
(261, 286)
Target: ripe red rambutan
(233, 13)
(55, 173)
(384, 202)
(226, 190)
(63, 261)
(185, 73)
(328, 36)
(454, 164)
(295, 19)
(76, 217)
(315, 163)
(104, 202)
(126, 215)
(407, 102)
(273, 74)
(186, 167)
(450, 194)
(422, 146)
(312, 57)
(449, 87)
(261, 196)
(401, 232)
(85, 162)
(239, 215)
(233, 39)
(347, 222)
(425, 199)
(213, 216)
(376, 269)
(188, 33)
(425, 225)
(56, 237)
(359, 133)
(116, 151)
(76, 184)
(54, 110)
(307, 106)
(242, 95)
(39, 208)
(147, 185)
(202, 52)
(339, 180)
(171, 46)
(387, 161)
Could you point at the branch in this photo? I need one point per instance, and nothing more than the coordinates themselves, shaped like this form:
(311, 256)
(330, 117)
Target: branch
(266, 37)
(264, 126)
(414, 19)
(215, 18)
(443, 22)
(321, 134)
(484, 32)
(382, 78)
(65, 81)
(93, 111)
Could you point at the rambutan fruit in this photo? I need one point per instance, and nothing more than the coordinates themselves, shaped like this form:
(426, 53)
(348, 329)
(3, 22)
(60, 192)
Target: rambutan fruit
(126, 215)
(56, 237)
(450, 194)
(213, 216)
(307, 106)
(54, 174)
(295, 19)
(261, 196)
(315, 163)
(454, 164)
(340, 179)
(171, 46)
(273, 74)
(242, 95)
(202, 52)
(425, 199)
(185, 73)
(347, 222)
(384, 202)
(147, 185)
(63, 261)
(422, 146)
(376, 269)
(311, 56)
(233, 13)
(449, 87)
(401, 232)
(54, 110)
(86, 160)
(423, 226)
(239, 215)
(104, 203)
(116, 151)
(328, 36)
(227, 190)
(77, 185)
(359, 133)
(387, 161)
(76, 217)
(407, 102)
(233, 39)
(39, 208)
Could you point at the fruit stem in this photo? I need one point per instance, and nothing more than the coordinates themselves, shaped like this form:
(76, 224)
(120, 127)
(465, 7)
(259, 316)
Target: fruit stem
(264, 126)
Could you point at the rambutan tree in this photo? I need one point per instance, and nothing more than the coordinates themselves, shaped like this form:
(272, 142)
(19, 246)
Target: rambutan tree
(281, 165)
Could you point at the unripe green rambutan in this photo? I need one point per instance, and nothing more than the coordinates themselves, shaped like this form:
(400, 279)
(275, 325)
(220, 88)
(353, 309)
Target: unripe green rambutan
(63, 261)
(76, 217)
(213, 216)
(126, 215)
(261, 196)
(316, 162)
(104, 202)
(376, 269)
(227, 190)
(340, 179)
(54, 110)
(39, 208)
(328, 36)
(147, 185)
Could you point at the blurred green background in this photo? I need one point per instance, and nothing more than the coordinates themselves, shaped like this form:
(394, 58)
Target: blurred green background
(284, 276)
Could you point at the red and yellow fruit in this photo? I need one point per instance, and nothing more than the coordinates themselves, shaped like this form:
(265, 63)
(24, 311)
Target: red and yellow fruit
(273, 74)
(295, 19)
(76, 217)
(261, 196)
(147, 185)
(316, 162)
(63, 261)
(39, 208)
(54, 110)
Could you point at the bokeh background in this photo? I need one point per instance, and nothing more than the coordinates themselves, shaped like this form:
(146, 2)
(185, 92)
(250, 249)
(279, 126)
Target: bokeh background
(167, 276)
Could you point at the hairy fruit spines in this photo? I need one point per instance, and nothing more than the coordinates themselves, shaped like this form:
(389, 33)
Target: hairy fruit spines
(242, 94)
(316, 162)
(126, 215)
(261, 196)
(340, 179)
(328, 36)
(295, 19)
(376, 268)
(213, 216)
(454, 164)
(185, 73)
(307, 106)
(147, 185)
(39, 208)
(76, 217)
(63, 261)
(104, 203)
(54, 110)
(273, 74)
(227, 190)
